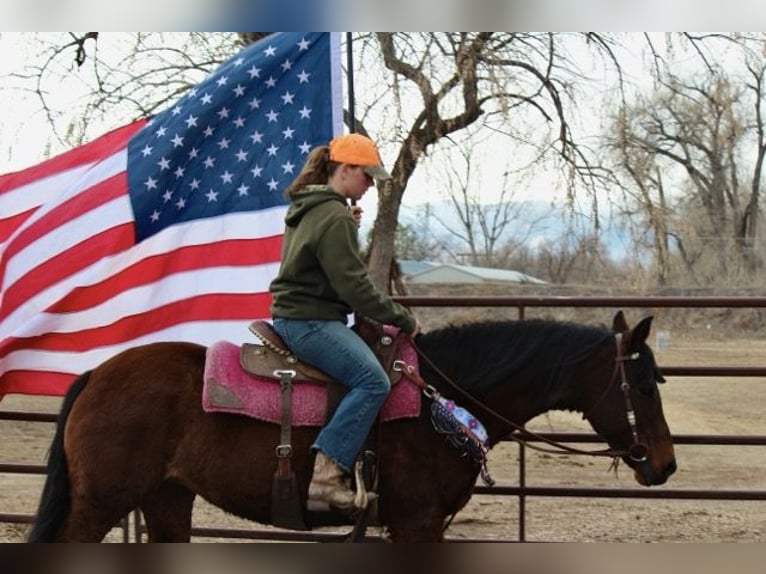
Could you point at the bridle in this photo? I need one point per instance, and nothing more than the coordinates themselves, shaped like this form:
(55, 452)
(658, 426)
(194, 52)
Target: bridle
(637, 452)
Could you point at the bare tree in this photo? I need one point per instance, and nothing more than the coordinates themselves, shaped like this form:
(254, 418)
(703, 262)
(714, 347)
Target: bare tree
(485, 220)
(415, 241)
(646, 199)
(691, 154)
(422, 89)
(577, 254)
(751, 221)
(117, 77)
(700, 129)
(508, 81)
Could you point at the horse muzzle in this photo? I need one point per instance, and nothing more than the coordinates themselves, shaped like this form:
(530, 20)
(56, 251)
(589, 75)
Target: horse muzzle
(648, 474)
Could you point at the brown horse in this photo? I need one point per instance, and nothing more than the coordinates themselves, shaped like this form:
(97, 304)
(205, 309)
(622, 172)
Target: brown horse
(132, 432)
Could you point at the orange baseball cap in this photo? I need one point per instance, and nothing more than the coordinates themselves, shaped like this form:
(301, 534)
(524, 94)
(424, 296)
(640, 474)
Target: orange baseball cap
(357, 149)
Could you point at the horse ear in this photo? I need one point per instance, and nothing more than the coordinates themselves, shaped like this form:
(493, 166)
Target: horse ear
(641, 332)
(619, 324)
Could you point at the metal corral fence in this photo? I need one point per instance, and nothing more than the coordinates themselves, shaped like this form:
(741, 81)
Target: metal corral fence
(134, 530)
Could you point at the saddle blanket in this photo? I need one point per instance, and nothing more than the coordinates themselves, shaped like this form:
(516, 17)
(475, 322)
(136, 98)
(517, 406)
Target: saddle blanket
(229, 388)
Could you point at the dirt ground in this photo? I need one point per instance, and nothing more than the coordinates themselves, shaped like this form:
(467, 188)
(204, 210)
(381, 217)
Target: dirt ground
(730, 406)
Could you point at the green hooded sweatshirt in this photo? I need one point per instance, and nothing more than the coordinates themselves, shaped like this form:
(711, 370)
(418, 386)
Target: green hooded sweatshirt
(322, 275)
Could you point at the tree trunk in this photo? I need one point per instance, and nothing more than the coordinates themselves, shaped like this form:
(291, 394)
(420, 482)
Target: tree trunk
(381, 252)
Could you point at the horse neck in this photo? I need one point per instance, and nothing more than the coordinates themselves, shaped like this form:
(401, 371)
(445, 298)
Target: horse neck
(534, 392)
(516, 404)
(539, 370)
(589, 380)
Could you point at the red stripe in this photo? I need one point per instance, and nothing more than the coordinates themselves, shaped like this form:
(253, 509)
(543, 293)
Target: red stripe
(10, 224)
(94, 151)
(35, 382)
(233, 252)
(64, 264)
(76, 206)
(208, 307)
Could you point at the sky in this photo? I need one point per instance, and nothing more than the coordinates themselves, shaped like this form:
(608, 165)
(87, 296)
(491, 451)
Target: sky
(19, 147)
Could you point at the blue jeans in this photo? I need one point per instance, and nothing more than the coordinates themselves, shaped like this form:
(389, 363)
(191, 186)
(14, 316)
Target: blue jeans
(334, 348)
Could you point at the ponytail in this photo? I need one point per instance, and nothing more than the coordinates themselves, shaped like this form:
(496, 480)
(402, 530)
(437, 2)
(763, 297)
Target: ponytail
(315, 171)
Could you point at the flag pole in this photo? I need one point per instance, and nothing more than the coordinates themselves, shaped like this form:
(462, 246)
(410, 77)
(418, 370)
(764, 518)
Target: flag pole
(350, 77)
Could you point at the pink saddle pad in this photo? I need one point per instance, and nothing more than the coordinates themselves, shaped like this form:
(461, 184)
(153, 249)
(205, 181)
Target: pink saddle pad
(229, 388)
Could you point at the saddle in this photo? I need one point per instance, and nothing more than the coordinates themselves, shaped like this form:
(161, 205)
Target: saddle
(273, 355)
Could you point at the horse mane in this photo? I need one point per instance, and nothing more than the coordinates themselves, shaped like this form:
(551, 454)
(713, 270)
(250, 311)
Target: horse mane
(479, 355)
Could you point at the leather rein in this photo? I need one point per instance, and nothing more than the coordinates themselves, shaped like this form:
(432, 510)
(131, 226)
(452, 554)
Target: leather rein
(637, 452)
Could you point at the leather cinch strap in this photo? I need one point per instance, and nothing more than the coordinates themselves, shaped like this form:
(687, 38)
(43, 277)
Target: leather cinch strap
(286, 510)
(284, 450)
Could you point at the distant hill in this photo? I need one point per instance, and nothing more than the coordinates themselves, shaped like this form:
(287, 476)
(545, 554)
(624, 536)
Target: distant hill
(538, 222)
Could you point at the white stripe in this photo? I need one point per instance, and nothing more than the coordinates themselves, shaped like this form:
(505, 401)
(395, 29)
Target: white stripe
(179, 286)
(202, 332)
(240, 225)
(66, 236)
(75, 230)
(40, 191)
(56, 191)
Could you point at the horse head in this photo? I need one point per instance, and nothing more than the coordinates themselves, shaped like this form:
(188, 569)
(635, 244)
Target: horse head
(628, 414)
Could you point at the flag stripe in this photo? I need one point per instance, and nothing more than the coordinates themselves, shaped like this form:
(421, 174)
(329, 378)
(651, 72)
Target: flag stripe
(48, 191)
(37, 382)
(68, 235)
(22, 195)
(222, 306)
(84, 155)
(231, 226)
(234, 252)
(9, 224)
(91, 198)
(70, 226)
(58, 267)
(244, 280)
(33, 367)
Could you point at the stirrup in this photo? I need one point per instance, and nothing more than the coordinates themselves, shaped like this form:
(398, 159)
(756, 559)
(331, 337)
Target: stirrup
(363, 498)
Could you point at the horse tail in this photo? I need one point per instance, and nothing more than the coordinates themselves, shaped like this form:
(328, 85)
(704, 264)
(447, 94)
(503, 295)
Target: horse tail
(55, 502)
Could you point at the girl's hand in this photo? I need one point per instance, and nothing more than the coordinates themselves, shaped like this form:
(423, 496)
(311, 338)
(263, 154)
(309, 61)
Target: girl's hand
(356, 213)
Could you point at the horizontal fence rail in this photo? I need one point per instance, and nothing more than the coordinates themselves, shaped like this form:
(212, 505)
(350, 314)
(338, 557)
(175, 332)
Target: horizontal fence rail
(524, 301)
(135, 530)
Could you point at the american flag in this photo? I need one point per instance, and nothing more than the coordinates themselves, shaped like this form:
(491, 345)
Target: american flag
(164, 229)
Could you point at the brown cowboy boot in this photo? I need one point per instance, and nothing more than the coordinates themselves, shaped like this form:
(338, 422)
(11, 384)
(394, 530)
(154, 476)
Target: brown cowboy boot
(328, 485)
